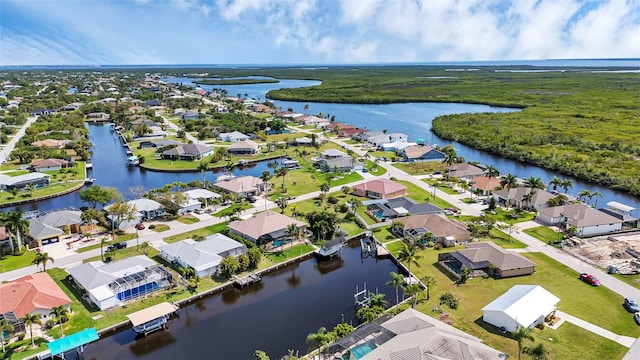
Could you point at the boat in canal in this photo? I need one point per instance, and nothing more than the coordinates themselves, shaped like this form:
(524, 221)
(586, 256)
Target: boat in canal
(331, 248)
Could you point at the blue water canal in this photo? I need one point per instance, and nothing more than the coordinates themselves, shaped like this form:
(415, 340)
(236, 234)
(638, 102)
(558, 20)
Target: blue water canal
(274, 316)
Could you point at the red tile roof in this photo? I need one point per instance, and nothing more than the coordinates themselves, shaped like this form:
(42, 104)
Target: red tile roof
(380, 186)
(37, 291)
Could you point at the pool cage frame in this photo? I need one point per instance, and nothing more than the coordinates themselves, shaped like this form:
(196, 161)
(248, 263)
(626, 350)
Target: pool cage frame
(141, 283)
(367, 333)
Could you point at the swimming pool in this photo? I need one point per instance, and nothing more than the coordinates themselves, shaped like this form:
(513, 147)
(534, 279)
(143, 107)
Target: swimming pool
(359, 351)
(280, 242)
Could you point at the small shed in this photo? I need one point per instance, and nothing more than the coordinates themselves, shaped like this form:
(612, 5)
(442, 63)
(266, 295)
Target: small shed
(521, 306)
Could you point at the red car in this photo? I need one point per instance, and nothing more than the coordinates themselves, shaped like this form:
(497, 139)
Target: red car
(140, 226)
(590, 279)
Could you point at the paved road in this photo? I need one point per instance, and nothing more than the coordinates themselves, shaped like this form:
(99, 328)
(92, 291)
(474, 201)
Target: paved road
(8, 148)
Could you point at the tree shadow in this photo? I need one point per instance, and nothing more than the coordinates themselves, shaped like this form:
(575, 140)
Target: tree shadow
(70, 285)
(445, 271)
(492, 328)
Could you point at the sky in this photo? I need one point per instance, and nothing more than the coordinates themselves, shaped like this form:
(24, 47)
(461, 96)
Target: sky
(133, 32)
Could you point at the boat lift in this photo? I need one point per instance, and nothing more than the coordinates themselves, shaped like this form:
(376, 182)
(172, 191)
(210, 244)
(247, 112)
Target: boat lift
(152, 318)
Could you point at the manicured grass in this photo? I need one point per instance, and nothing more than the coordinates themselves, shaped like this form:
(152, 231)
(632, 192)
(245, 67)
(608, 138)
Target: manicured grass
(384, 234)
(420, 195)
(13, 262)
(503, 240)
(22, 349)
(285, 137)
(53, 188)
(123, 237)
(374, 169)
(125, 253)
(284, 255)
(232, 210)
(205, 231)
(578, 299)
(316, 204)
(633, 280)
(544, 234)
(188, 219)
(160, 227)
(421, 168)
(365, 216)
(441, 185)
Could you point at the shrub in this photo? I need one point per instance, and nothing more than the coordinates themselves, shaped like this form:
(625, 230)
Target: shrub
(152, 226)
(332, 199)
(450, 300)
(21, 336)
(437, 246)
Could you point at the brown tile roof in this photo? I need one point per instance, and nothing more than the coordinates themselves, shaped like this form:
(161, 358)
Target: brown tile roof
(581, 215)
(242, 184)
(416, 151)
(380, 186)
(539, 197)
(492, 253)
(26, 294)
(464, 170)
(263, 223)
(482, 181)
(243, 145)
(49, 163)
(51, 143)
(437, 224)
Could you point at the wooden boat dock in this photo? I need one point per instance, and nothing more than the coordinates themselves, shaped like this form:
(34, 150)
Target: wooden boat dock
(246, 281)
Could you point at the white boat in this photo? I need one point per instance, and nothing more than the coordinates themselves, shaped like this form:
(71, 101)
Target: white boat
(331, 248)
(225, 177)
(89, 180)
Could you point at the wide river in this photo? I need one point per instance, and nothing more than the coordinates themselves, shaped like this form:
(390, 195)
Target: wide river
(274, 316)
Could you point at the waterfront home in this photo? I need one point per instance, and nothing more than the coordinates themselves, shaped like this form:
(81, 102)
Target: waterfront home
(147, 208)
(380, 189)
(487, 258)
(380, 140)
(464, 171)
(412, 335)
(417, 153)
(196, 198)
(384, 209)
(519, 197)
(261, 108)
(190, 115)
(233, 136)
(53, 226)
(342, 163)
(9, 182)
(305, 141)
(141, 120)
(522, 306)
(586, 220)
(312, 120)
(347, 133)
(364, 136)
(112, 284)
(202, 256)
(158, 143)
(33, 294)
(189, 151)
(247, 147)
(98, 116)
(243, 186)
(40, 112)
(437, 227)
(5, 240)
(486, 185)
(51, 143)
(333, 153)
(264, 227)
(49, 165)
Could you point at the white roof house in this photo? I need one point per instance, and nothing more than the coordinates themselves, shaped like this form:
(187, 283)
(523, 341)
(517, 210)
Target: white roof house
(521, 306)
(146, 209)
(203, 256)
(233, 136)
(193, 197)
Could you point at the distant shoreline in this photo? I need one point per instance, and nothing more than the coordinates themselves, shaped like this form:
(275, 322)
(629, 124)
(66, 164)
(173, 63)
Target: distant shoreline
(235, 81)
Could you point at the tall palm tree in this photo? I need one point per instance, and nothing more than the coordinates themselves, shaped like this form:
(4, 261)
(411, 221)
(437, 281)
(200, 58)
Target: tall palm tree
(29, 320)
(16, 224)
(378, 300)
(555, 182)
(596, 194)
(396, 281)
(42, 258)
(282, 172)
(102, 242)
(566, 184)
(520, 336)
(534, 182)
(584, 195)
(409, 255)
(59, 313)
(354, 204)
(202, 167)
(429, 281)
(144, 247)
(5, 327)
(413, 290)
(508, 181)
(526, 198)
(492, 172)
(321, 338)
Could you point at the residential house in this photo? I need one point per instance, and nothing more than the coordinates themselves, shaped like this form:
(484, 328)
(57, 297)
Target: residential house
(522, 306)
(40, 112)
(364, 136)
(519, 198)
(234, 136)
(189, 151)
(336, 126)
(261, 108)
(98, 116)
(146, 209)
(160, 143)
(51, 143)
(306, 141)
(190, 115)
(243, 186)
(264, 227)
(33, 294)
(112, 284)
(5, 240)
(347, 133)
(394, 138)
(485, 184)
(244, 147)
(384, 209)
(622, 212)
(202, 256)
(380, 188)
(443, 230)
(53, 226)
(412, 335)
(196, 198)
(141, 120)
(312, 120)
(49, 165)
(586, 220)
(464, 171)
(9, 182)
(333, 153)
(343, 163)
(416, 153)
(487, 258)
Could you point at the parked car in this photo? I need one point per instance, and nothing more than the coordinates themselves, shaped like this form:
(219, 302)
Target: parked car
(590, 279)
(198, 211)
(631, 305)
(117, 246)
(455, 211)
(636, 317)
(139, 226)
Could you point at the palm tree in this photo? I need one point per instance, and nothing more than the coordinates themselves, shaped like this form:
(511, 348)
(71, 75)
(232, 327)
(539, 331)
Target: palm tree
(282, 172)
(324, 188)
(508, 181)
(202, 167)
(282, 204)
(537, 352)
(266, 175)
(534, 182)
(354, 204)
(102, 242)
(429, 281)
(42, 258)
(520, 336)
(321, 337)
(409, 255)
(29, 320)
(450, 158)
(378, 300)
(413, 290)
(396, 281)
(566, 184)
(144, 247)
(59, 313)
(492, 172)
(584, 195)
(595, 194)
(555, 183)
(16, 224)
(526, 198)
(5, 327)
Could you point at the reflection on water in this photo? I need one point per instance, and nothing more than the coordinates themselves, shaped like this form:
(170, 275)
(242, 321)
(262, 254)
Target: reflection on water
(326, 266)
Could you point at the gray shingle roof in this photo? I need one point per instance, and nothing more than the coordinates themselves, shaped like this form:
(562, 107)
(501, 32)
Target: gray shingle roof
(50, 224)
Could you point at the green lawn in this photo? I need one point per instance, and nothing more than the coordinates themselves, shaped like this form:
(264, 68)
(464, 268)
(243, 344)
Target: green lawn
(503, 240)
(383, 234)
(232, 210)
(420, 195)
(374, 169)
(284, 255)
(421, 168)
(441, 185)
(544, 234)
(188, 219)
(22, 349)
(125, 253)
(123, 237)
(13, 262)
(160, 227)
(577, 298)
(205, 231)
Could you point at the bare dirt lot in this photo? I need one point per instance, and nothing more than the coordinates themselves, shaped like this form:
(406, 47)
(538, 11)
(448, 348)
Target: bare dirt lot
(621, 251)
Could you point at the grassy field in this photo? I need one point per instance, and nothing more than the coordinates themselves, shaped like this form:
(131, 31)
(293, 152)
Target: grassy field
(205, 231)
(160, 227)
(503, 240)
(585, 302)
(420, 195)
(125, 253)
(421, 168)
(544, 234)
(188, 219)
(13, 262)
(284, 255)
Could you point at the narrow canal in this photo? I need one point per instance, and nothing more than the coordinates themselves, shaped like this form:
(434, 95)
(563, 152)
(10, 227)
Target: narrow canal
(275, 315)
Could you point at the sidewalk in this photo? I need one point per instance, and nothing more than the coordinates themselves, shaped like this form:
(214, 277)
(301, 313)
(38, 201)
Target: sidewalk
(622, 340)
